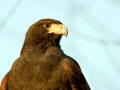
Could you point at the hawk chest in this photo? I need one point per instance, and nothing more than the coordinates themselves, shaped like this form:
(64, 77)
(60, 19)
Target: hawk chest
(38, 71)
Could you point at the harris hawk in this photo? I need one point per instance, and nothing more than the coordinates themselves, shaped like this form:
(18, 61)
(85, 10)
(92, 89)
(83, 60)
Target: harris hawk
(42, 64)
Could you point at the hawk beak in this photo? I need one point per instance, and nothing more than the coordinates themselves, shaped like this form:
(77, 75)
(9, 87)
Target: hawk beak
(59, 29)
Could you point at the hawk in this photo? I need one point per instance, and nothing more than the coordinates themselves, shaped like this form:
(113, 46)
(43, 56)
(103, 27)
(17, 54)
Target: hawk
(42, 64)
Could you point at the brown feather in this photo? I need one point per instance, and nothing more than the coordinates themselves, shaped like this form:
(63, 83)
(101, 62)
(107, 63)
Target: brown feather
(76, 77)
(4, 82)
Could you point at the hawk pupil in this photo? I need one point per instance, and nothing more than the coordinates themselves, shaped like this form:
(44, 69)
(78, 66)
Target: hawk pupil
(47, 25)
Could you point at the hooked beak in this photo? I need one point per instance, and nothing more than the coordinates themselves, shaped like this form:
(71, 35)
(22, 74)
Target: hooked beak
(59, 29)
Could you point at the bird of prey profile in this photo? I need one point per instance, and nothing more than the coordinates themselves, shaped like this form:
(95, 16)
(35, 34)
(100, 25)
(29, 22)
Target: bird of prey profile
(42, 64)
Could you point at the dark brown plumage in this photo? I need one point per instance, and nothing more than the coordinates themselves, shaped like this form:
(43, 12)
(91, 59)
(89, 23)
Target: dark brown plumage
(42, 64)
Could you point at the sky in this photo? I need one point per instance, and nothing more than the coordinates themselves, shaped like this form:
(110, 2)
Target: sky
(93, 35)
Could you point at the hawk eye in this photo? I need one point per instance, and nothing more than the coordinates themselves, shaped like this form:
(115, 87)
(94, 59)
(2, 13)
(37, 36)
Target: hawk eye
(47, 25)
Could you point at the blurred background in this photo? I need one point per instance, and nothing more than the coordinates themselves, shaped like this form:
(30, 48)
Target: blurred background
(93, 39)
